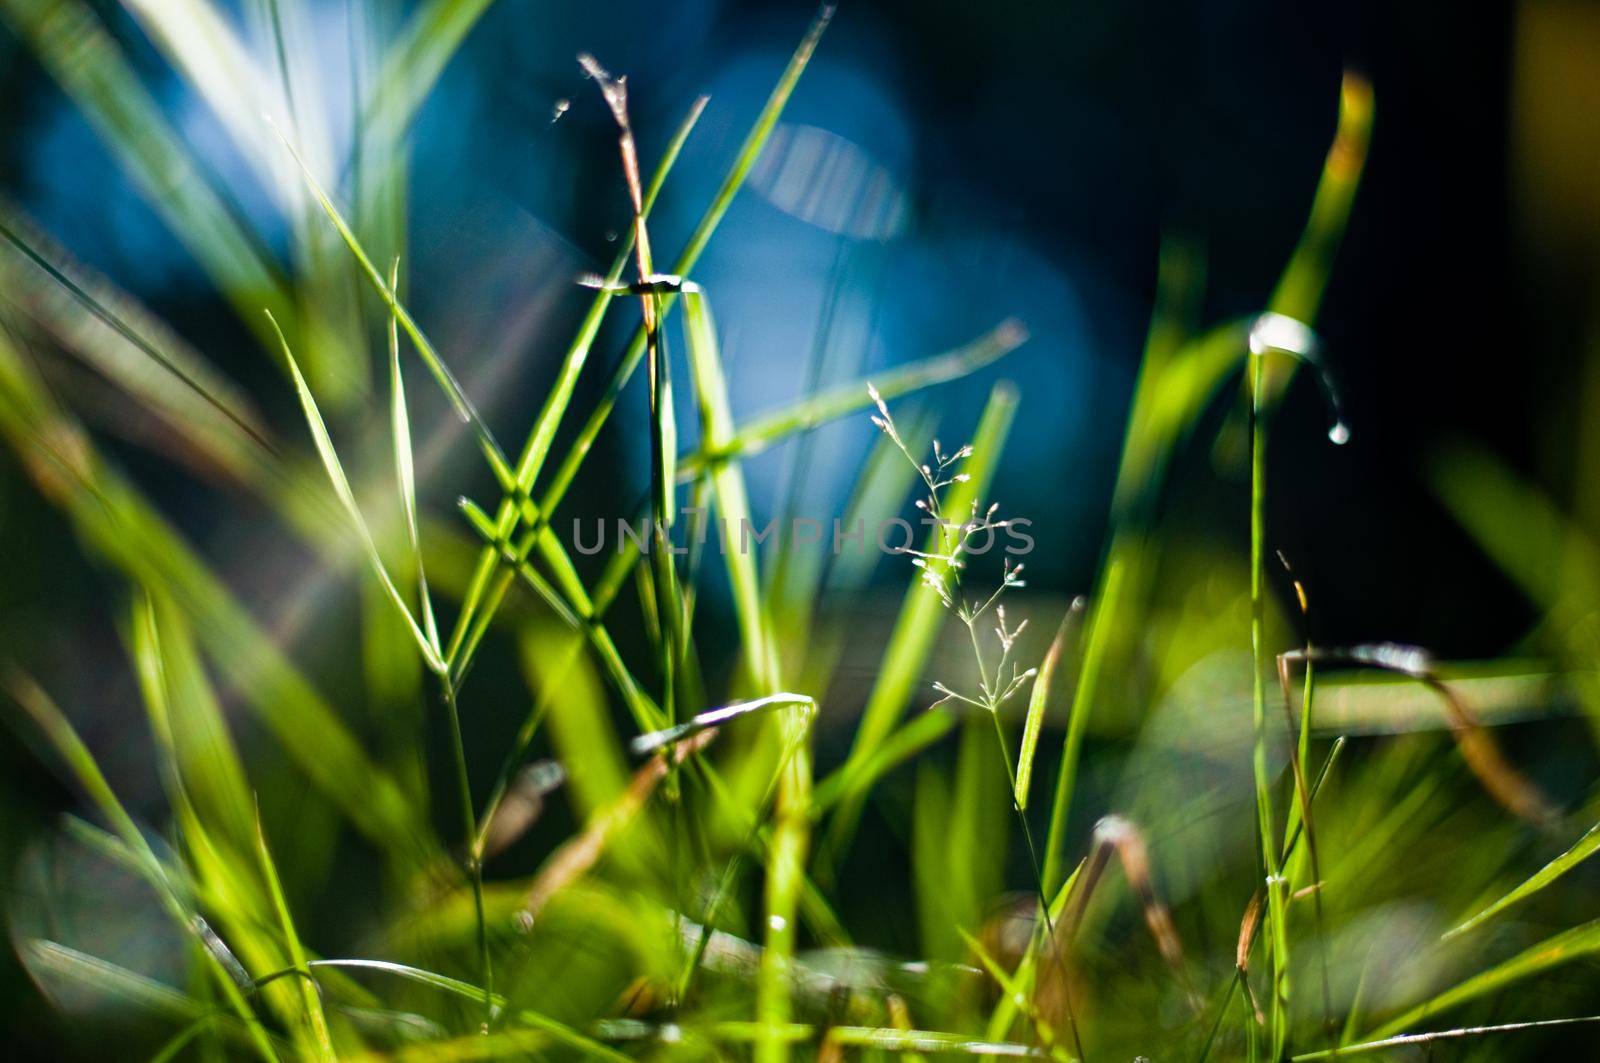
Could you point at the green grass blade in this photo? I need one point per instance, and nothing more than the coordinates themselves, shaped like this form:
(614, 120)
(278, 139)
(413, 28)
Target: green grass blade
(189, 722)
(405, 469)
(763, 430)
(311, 1001)
(1038, 700)
(1562, 948)
(412, 65)
(1300, 288)
(912, 738)
(347, 498)
(754, 141)
(1580, 851)
(728, 490)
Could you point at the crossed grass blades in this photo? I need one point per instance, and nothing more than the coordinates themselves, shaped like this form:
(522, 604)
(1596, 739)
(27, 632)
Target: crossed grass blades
(698, 908)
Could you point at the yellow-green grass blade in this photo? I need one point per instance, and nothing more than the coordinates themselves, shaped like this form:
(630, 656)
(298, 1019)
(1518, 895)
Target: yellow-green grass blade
(188, 722)
(958, 835)
(1039, 699)
(1549, 557)
(1174, 383)
(580, 727)
(214, 817)
(86, 771)
(1569, 945)
(764, 430)
(311, 1000)
(728, 490)
(81, 55)
(405, 469)
(347, 498)
(911, 738)
(785, 885)
(1173, 390)
(583, 614)
(213, 427)
(1580, 851)
(1304, 280)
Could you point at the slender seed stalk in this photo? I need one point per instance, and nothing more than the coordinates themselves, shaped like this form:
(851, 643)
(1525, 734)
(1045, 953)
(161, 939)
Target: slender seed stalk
(1276, 902)
(469, 824)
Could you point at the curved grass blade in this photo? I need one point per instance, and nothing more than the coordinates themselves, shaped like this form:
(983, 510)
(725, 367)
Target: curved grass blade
(748, 152)
(1438, 1035)
(1514, 791)
(889, 1039)
(1039, 698)
(649, 743)
(763, 430)
(1576, 943)
(754, 141)
(1581, 850)
(310, 1000)
(405, 469)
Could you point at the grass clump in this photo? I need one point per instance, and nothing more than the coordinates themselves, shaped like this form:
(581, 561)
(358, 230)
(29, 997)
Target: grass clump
(667, 859)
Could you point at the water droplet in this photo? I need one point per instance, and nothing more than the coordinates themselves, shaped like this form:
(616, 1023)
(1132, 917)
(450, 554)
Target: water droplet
(560, 108)
(777, 923)
(1339, 434)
